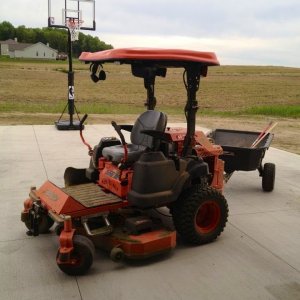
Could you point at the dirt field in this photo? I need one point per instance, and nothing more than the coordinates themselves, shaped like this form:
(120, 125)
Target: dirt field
(41, 87)
(35, 93)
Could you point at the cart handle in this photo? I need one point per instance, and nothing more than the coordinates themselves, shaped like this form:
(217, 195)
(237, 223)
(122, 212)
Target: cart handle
(263, 134)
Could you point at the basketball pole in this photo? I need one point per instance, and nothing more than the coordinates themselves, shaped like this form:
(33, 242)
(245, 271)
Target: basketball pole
(69, 124)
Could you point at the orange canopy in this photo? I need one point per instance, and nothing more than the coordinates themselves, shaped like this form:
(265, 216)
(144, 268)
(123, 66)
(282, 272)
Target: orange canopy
(170, 57)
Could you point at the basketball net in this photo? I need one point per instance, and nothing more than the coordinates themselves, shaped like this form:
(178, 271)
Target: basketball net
(74, 27)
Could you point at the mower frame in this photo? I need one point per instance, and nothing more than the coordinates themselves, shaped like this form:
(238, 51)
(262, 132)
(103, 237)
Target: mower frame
(108, 204)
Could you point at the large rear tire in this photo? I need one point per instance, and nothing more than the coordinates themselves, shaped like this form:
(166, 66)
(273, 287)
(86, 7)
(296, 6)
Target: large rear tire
(82, 256)
(200, 215)
(268, 177)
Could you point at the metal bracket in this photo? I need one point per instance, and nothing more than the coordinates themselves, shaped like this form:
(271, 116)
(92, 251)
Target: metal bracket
(105, 230)
(34, 216)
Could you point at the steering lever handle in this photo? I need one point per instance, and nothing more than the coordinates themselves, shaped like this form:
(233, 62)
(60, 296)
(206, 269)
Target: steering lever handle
(118, 130)
(82, 121)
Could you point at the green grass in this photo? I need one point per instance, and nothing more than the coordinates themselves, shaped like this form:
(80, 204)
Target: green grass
(286, 111)
(103, 108)
(107, 108)
(31, 107)
(5, 58)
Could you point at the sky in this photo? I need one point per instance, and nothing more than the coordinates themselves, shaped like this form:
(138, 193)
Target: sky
(256, 32)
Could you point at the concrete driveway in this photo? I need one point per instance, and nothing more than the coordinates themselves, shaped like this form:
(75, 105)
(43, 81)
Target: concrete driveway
(256, 257)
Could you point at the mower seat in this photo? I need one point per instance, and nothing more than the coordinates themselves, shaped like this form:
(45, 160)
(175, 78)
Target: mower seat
(149, 120)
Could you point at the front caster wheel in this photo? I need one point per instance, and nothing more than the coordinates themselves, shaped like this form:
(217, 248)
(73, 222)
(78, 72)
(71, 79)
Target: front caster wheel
(81, 258)
(200, 215)
(44, 223)
(117, 254)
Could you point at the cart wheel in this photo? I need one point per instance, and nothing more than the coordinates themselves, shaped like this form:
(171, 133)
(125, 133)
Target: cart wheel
(268, 177)
(44, 224)
(200, 215)
(82, 256)
(116, 254)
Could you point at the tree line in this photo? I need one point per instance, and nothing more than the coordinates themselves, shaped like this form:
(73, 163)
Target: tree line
(57, 38)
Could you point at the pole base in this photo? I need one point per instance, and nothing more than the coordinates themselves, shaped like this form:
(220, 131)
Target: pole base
(66, 125)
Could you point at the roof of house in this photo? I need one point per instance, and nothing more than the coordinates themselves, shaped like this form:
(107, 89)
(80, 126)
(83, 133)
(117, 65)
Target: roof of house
(40, 43)
(18, 46)
(14, 45)
(9, 42)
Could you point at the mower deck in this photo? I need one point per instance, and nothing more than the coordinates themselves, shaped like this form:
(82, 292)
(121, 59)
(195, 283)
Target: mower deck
(139, 246)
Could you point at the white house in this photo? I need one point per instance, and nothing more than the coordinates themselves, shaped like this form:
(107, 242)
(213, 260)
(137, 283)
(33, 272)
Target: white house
(24, 50)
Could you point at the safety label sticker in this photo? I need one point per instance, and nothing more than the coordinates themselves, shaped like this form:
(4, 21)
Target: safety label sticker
(71, 92)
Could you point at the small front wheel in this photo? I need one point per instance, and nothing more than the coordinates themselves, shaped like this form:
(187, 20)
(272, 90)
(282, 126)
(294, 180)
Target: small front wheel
(200, 215)
(268, 177)
(81, 258)
(117, 254)
(44, 223)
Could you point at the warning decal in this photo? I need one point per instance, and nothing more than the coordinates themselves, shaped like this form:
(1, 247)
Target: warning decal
(71, 92)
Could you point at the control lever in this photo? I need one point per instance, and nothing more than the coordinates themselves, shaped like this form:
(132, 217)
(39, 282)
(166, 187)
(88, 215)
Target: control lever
(90, 153)
(82, 121)
(118, 130)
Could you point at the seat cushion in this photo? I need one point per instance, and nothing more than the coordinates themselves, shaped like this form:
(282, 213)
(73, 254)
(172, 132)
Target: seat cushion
(116, 153)
(151, 120)
(148, 120)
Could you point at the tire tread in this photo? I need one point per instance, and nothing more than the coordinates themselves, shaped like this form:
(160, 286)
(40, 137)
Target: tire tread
(184, 213)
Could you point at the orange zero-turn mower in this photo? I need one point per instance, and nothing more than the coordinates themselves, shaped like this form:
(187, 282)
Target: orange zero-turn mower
(109, 203)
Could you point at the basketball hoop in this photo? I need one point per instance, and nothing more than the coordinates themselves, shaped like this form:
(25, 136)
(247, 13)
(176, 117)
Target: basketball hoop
(74, 26)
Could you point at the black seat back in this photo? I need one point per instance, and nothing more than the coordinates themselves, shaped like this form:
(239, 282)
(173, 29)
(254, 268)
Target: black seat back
(149, 120)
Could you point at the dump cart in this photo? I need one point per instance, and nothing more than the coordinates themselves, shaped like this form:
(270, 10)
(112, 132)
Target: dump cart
(239, 155)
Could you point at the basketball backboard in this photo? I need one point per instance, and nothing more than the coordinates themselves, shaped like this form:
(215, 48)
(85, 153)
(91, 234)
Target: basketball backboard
(83, 11)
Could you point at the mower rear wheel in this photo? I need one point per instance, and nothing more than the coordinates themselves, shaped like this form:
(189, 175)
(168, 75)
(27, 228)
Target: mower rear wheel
(268, 177)
(82, 257)
(200, 215)
(44, 223)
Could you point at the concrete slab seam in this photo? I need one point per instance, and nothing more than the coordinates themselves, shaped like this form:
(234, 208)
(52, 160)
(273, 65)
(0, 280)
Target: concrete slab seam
(78, 288)
(262, 212)
(37, 142)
